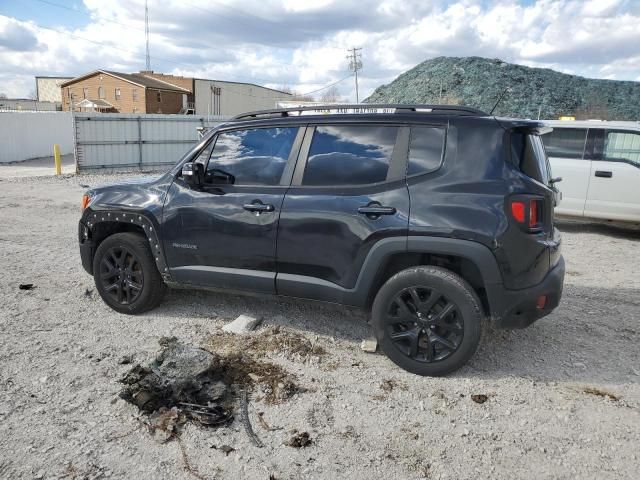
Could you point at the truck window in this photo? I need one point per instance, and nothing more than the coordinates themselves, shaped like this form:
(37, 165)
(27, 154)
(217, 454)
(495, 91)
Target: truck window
(349, 155)
(565, 142)
(622, 147)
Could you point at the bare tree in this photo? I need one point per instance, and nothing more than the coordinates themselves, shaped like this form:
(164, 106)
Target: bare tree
(331, 95)
(32, 95)
(3, 96)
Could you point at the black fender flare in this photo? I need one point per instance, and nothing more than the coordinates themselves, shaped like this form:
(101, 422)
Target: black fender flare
(138, 218)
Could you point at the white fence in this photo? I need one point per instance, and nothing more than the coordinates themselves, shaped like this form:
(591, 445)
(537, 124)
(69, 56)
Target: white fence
(130, 141)
(26, 135)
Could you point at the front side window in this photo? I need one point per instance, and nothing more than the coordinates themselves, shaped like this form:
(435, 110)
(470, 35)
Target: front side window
(117, 94)
(159, 97)
(134, 94)
(565, 142)
(349, 155)
(255, 156)
(85, 93)
(622, 147)
(101, 92)
(425, 149)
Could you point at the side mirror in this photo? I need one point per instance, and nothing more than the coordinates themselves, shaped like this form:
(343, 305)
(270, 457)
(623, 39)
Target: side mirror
(193, 174)
(555, 180)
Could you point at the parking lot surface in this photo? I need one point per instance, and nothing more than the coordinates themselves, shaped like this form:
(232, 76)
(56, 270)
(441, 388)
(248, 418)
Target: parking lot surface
(563, 396)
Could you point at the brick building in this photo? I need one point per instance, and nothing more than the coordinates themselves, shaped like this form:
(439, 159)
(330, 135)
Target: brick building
(111, 92)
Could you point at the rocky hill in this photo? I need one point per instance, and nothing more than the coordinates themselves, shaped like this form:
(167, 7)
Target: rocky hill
(479, 82)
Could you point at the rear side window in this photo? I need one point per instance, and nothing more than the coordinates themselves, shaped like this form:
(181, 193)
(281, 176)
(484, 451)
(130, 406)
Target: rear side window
(565, 142)
(622, 147)
(425, 149)
(527, 152)
(349, 155)
(255, 156)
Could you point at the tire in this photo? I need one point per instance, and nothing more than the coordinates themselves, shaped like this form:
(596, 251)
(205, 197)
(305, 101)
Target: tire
(126, 275)
(438, 337)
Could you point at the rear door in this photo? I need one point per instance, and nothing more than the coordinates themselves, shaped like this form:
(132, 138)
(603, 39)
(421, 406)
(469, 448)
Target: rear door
(614, 187)
(565, 148)
(223, 234)
(348, 192)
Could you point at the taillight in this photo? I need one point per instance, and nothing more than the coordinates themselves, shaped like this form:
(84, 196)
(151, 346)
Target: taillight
(528, 212)
(518, 211)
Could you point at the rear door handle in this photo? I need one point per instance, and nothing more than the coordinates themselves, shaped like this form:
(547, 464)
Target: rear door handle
(376, 210)
(604, 173)
(259, 207)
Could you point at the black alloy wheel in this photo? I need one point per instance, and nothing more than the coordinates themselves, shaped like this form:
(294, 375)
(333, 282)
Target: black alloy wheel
(121, 275)
(427, 320)
(424, 324)
(126, 274)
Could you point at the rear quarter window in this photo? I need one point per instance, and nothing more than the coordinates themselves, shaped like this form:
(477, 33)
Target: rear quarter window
(528, 153)
(426, 148)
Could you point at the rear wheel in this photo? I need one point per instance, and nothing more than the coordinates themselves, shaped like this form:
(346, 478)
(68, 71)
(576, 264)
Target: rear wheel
(427, 320)
(125, 274)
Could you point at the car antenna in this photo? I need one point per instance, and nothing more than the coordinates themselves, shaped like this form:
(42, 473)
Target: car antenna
(508, 89)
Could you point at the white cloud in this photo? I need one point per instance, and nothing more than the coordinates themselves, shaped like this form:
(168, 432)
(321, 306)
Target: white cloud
(303, 43)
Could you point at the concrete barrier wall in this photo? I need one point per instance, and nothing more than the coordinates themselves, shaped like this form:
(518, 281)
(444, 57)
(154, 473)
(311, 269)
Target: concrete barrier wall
(26, 135)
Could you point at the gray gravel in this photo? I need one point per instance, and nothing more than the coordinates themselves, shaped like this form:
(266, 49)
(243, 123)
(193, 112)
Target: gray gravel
(60, 350)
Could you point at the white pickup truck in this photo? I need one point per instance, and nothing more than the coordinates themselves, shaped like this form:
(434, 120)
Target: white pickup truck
(599, 162)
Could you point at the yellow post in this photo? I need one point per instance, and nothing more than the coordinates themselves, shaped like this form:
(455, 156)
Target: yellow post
(56, 159)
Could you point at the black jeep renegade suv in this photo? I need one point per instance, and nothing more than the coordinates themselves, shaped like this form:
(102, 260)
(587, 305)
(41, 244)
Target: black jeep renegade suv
(431, 217)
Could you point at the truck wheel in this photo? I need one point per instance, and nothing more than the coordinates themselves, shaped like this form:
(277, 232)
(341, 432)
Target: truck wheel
(126, 275)
(427, 320)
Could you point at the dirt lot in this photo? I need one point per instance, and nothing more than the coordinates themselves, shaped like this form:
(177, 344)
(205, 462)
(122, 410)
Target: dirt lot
(547, 414)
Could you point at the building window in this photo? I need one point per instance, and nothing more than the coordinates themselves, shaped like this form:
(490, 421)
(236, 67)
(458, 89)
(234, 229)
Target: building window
(117, 94)
(159, 97)
(135, 109)
(101, 92)
(135, 94)
(85, 93)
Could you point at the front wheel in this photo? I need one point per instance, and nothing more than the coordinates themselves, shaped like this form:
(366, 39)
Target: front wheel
(427, 320)
(126, 275)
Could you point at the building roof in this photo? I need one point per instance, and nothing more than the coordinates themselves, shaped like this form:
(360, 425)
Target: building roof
(136, 79)
(243, 83)
(86, 103)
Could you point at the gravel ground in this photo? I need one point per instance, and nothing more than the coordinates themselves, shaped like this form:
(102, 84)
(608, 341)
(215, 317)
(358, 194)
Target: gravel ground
(61, 347)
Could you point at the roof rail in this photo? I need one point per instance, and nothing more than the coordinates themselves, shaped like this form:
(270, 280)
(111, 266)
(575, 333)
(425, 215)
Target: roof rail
(363, 108)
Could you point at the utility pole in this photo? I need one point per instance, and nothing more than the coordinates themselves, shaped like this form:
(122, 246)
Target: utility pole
(355, 64)
(146, 33)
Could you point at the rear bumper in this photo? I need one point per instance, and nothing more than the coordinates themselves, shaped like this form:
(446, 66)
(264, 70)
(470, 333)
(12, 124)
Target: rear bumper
(513, 309)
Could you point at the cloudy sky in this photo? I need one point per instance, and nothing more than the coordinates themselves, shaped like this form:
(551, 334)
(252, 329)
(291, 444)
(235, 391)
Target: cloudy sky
(302, 43)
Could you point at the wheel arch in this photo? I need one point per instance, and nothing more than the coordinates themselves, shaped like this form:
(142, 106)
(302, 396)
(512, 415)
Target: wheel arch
(103, 223)
(473, 261)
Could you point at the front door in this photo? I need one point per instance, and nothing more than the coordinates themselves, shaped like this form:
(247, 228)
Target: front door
(615, 175)
(565, 148)
(348, 192)
(224, 233)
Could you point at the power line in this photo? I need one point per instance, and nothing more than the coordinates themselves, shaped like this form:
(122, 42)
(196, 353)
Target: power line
(53, 4)
(355, 64)
(326, 86)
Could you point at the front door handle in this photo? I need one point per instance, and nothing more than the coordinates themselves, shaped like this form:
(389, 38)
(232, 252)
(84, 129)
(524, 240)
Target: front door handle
(604, 173)
(259, 207)
(376, 210)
